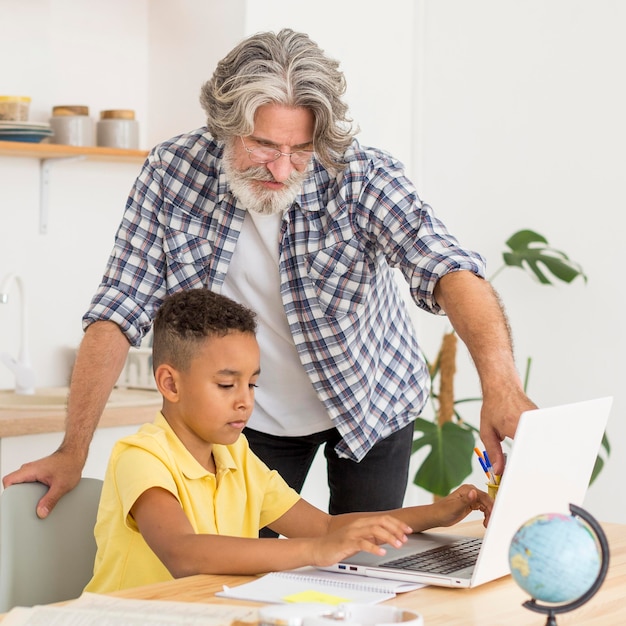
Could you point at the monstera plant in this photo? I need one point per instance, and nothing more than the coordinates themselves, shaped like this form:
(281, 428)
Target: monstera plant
(449, 439)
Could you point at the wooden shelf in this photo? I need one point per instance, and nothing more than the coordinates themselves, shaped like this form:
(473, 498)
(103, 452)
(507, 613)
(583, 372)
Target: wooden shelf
(55, 151)
(49, 153)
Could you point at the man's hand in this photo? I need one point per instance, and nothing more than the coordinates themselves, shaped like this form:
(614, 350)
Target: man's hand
(477, 316)
(99, 361)
(61, 471)
(499, 416)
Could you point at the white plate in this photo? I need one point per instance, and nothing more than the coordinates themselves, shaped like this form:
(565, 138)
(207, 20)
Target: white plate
(10, 125)
(25, 133)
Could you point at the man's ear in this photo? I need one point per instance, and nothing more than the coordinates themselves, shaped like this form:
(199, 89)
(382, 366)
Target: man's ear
(166, 378)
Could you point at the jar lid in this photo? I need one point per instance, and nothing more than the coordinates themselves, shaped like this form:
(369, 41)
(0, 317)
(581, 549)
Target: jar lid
(117, 114)
(70, 109)
(14, 98)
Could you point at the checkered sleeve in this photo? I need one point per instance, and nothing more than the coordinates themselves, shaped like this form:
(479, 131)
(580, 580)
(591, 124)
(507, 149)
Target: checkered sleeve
(133, 284)
(407, 232)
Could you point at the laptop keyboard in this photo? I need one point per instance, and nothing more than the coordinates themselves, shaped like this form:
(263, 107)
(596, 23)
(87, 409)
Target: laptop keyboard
(441, 560)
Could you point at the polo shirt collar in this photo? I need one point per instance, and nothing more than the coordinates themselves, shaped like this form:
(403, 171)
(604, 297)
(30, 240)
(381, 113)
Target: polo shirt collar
(189, 466)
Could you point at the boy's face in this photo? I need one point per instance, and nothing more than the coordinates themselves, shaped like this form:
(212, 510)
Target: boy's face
(215, 396)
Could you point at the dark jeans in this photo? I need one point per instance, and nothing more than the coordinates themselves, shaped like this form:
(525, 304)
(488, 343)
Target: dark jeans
(377, 483)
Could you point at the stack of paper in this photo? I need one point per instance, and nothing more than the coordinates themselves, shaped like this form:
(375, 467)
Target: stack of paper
(96, 610)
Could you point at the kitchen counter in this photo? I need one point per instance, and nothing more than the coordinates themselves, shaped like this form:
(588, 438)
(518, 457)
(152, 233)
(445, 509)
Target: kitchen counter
(33, 421)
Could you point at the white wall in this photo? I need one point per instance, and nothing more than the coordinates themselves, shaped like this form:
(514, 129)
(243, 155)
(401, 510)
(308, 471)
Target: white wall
(375, 50)
(507, 114)
(186, 40)
(523, 126)
(104, 54)
(515, 120)
(65, 52)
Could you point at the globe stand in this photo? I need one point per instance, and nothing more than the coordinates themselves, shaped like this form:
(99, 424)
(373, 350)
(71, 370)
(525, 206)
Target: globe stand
(553, 610)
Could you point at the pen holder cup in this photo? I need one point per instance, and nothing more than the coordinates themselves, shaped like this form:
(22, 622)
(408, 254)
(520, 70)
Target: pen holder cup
(492, 490)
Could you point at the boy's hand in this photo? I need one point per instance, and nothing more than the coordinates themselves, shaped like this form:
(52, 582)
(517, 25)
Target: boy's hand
(363, 534)
(462, 501)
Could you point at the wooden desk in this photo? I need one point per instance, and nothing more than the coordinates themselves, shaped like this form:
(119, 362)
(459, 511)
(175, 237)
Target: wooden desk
(495, 604)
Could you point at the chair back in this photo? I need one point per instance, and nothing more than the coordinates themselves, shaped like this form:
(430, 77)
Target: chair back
(46, 560)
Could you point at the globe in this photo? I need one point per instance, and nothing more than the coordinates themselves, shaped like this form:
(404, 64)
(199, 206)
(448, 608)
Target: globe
(555, 558)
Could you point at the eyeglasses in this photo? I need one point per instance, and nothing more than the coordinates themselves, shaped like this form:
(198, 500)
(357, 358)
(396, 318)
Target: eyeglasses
(269, 155)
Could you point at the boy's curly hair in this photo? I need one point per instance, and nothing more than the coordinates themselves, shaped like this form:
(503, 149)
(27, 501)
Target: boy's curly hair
(186, 318)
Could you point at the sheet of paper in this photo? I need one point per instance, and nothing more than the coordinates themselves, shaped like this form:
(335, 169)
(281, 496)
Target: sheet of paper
(97, 610)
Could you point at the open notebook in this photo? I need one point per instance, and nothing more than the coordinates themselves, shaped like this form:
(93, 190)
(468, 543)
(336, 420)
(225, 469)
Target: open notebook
(549, 467)
(310, 585)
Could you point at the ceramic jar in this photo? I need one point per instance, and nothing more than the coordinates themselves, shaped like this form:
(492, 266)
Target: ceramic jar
(72, 126)
(118, 128)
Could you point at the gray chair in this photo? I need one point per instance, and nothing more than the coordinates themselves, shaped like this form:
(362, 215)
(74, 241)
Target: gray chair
(46, 560)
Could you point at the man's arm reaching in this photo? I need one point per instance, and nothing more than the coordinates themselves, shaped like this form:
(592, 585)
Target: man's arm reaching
(99, 361)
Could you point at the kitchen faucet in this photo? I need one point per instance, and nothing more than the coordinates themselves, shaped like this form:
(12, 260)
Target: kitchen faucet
(21, 367)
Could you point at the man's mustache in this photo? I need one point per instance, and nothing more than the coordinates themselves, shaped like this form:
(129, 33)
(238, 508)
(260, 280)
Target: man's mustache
(262, 174)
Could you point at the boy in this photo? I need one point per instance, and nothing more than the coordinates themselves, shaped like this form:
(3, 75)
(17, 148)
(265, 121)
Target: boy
(185, 495)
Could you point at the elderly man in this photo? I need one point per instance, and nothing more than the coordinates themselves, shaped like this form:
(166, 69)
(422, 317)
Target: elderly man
(275, 204)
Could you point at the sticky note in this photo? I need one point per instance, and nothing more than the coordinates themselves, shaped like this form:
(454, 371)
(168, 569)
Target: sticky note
(314, 596)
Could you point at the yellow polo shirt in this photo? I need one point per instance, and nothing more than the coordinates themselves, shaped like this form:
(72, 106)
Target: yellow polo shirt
(240, 498)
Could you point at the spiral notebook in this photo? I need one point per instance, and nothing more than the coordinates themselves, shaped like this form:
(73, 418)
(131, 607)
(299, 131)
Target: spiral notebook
(308, 584)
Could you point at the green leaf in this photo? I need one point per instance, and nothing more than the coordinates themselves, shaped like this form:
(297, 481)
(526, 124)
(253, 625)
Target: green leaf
(606, 444)
(524, 238)
(563, 269)
(599, 464)
(449, 461)
(449, 458)
(597, 468)
(530, 251)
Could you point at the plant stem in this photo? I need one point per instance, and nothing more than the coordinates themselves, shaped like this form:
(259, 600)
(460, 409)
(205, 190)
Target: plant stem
(527, 373)
(447, 361)
(490, 279)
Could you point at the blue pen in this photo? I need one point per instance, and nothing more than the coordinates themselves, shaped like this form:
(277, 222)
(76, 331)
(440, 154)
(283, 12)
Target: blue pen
(486, 458)
(484, 465)
(490, 467)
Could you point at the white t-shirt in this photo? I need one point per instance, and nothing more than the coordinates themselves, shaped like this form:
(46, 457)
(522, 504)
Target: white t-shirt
(286, 403)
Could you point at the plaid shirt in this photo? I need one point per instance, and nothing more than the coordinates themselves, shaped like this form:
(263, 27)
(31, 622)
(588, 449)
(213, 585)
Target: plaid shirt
(338, 243)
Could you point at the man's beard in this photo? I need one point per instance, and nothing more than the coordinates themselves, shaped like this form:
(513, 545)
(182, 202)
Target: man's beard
(255, 197)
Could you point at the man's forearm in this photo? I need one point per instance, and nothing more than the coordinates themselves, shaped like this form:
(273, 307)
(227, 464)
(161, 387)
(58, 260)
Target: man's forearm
(478, 318)
(99, 361)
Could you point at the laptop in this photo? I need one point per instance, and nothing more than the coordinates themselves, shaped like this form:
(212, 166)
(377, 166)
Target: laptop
(548, 467)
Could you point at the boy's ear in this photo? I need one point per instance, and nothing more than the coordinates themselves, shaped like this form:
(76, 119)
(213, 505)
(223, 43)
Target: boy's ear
(166, 378)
